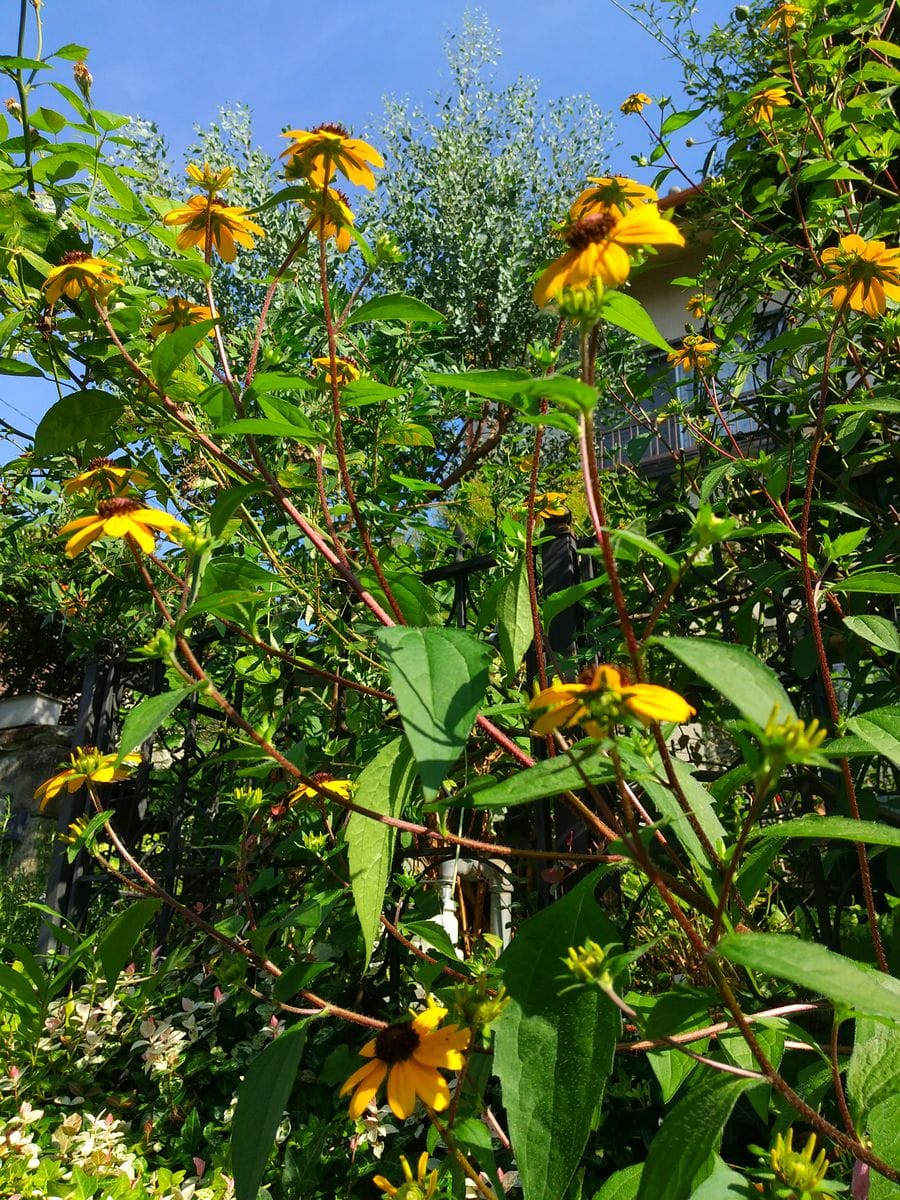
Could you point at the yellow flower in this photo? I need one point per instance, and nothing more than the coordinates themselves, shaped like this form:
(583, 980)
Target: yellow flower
(798, 1170)
(697, 305)
(346, 370)
(783, 17)
(120, 517)
(178, 314)
(864, 274)
(421, 1187)
(600, 699)
(408, 1055)
(759, 108)
(598, 244)
(693, 354)
(88, 764)
(80, 272)
(214, 226)
(103, 472)
(330, 215)
(615, 194)
(318, 153)
(210, 181)
(550, 504)
(326, 781)
(635, 102)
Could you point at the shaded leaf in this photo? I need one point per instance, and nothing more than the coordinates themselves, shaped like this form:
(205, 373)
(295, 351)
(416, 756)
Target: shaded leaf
(554, 1047)
(384, 786)
(119, 939)
(682, 1153)
(261, 1101)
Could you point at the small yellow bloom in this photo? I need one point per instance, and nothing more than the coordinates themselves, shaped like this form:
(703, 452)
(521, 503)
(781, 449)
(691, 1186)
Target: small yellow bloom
(602, 698)
(598, 244)
(864, 275)
(693, 354)
(330, 215)
(784, 17)
(214, 226)
(318, 153)
(615, 194)
(80, 272)
(346, 371)
(84, 80)
(635, 103)
(328, 783)
(408, 1055)
(422, 1186)
(759, 108)
(104, 473)
(210, 181)
(798, 1170)
(178, 314)
(698, 305)
(119, 517)
(88, 764)
(550, 504)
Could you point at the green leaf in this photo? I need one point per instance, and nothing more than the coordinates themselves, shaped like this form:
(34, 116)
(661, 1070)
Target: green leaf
(549, 777)
(17, 366)
(877, 630)
(435, 938)
(474, 1137)
(873, 1073)
(633, 538)
(368, 391)
(874, 582)
(725, 1184)
(701, 806)
(119, 939)
(396, 307)
(71, 52)
(626, 313)
(264, 427)
(384, 786)
(821, 971)
(261, 1102)
(439, 677)
(48, 120)
(18, 995)
(554, 1047)
(417, 601)
(504, 384)
(883, 1128)
(678, 120)
(880, 727)
(623, 1185)
(273, 381)
(173, 349)
(515, 630)
(299, 975)
(681, 1154)
(843, 829)
(76, 417)
(560, 601)
(228, 501)
(735, 673)
(146, 717)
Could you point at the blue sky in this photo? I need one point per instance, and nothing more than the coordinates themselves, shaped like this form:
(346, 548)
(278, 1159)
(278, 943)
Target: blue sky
(176, 62)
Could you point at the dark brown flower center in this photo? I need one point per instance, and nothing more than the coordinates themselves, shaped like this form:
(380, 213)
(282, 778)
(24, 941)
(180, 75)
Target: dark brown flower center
(321, 777)
(592, 228)
(397, 1043)
(117, 506)
(332, 127)
(96, 463)
(74, 256)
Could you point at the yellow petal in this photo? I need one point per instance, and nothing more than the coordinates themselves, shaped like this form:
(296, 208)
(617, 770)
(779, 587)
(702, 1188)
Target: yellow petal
(443, 1048)
(651, 703)
(401, 1090)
